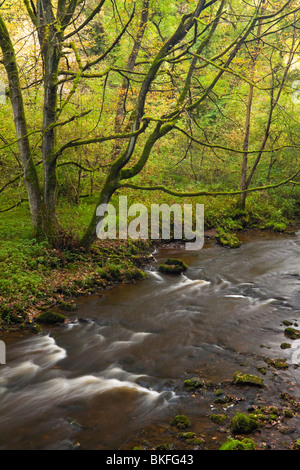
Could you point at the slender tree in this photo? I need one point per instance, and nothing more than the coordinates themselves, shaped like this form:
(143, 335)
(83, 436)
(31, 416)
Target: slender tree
(55, 27)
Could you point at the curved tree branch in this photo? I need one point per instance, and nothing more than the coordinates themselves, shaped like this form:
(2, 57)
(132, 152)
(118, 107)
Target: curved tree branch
(172, 192)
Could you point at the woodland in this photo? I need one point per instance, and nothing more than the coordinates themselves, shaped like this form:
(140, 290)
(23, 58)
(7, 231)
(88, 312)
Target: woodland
(169, 102)
(162, 102)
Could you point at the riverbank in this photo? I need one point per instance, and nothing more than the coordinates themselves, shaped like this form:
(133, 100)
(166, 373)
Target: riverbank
(63, 276)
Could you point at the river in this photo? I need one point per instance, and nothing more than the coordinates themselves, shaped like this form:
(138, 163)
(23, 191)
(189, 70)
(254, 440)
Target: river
(113, 376)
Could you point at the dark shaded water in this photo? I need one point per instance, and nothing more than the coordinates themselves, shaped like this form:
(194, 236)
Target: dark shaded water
(120, 366)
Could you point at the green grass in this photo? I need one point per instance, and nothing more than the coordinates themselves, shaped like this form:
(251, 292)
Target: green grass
(33, 277)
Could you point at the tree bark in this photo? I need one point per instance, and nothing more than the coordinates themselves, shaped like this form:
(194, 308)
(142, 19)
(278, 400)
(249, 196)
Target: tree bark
(29, 169)
(50, 44)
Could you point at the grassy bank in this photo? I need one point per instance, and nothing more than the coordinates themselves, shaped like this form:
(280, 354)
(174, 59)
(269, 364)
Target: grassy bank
(34, 278)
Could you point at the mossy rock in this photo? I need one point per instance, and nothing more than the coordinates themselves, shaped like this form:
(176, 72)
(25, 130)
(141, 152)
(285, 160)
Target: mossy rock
(181, 422)
(248, 379)
(243, 424)
(186, 435)
(277, 363)
(224, 398)
(229, 240)
(258, 416)
(194, 383)
(285, 346)
(218, 418)
(292, 333)
(190, 438)
(288, 413)
(196, 441)
(234, 444)
(50, 317)
(173, 266)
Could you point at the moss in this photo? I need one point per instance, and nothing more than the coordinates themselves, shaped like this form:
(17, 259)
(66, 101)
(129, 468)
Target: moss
(274, 410)
(164, 447)
(181, 422)
(277, 363)
(287, 323)
(194, 383)
(224, 398)
(248, 379)
(262, 370)
(273, 417)
(285, 346)
(34, 328)
(218, 418)
(288, 413)
(234, 444)
(50, 317)
(292, 333)
(173, 266)
(296, 445)
(258, 416)
(134, 274)
(186, 435)
(243, 424)
(229, 240)
(176, 262)
(195, 441)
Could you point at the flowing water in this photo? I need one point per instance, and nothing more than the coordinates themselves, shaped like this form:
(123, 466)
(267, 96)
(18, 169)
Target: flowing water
(118, 368)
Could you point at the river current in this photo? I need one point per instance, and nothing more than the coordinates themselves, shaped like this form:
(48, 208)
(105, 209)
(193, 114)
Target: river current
(118, 367)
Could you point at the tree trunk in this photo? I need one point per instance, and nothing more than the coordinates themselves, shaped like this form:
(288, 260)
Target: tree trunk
(30, 174)
(243, 183)
(50, 43)
(90, 235)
